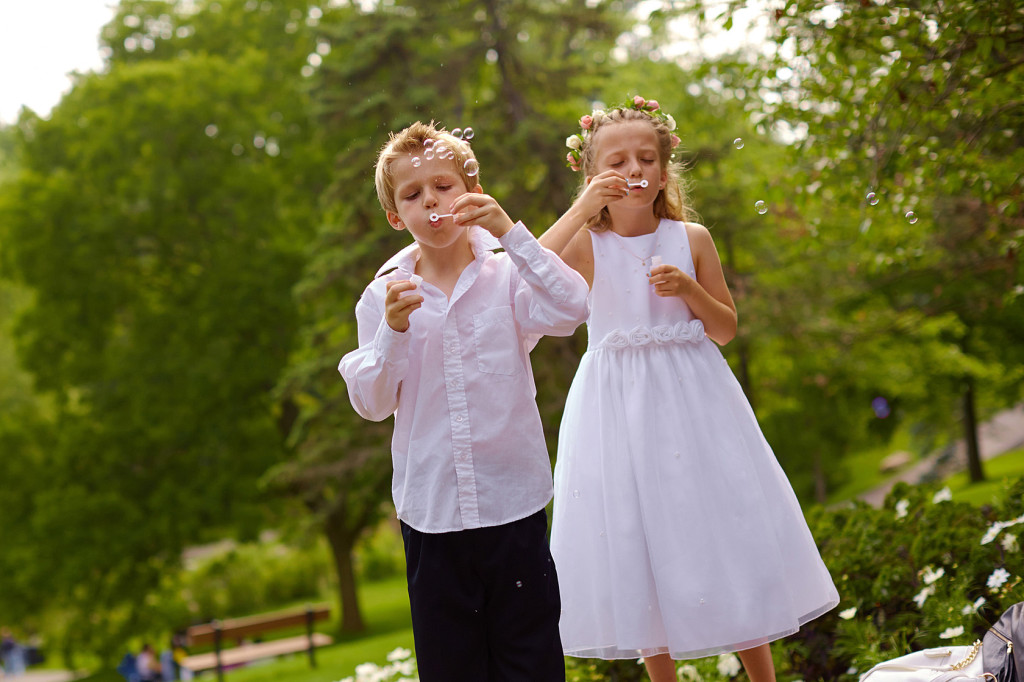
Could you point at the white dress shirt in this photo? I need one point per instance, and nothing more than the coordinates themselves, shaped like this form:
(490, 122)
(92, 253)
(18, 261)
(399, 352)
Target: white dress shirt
(468, 448)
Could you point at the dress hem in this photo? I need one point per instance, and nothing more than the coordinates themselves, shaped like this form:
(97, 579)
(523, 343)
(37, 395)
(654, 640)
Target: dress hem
(612, 652)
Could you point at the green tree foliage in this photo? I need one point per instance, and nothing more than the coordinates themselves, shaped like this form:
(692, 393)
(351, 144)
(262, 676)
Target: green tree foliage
(158, 217)
(899, 212)
(490, 66)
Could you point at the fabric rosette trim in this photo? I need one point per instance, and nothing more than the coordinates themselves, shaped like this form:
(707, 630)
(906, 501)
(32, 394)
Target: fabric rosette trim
(638, 337)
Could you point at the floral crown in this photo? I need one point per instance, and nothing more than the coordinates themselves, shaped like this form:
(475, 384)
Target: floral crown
(577, 141)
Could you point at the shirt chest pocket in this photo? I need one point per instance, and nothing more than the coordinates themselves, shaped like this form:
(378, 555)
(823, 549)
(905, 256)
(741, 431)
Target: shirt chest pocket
(497, 344)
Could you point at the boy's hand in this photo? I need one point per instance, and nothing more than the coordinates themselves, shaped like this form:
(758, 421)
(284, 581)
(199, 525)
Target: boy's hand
(474, 208)
(601, 190)
(668, 280)
(397, 308)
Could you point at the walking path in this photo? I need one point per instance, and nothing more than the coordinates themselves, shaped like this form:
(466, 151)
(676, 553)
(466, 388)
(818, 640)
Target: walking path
(1000, 434)
(42, 676)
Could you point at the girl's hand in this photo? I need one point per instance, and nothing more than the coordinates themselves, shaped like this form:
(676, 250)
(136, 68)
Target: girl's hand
(476, 208)
(668, 280)
(601, 190)
(397, 308)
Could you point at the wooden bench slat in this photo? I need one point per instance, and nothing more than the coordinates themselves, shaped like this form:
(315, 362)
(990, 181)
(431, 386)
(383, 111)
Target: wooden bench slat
(235, 628)
(247, 653)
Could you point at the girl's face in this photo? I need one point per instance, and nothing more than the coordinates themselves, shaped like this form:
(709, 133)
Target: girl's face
(631, 148)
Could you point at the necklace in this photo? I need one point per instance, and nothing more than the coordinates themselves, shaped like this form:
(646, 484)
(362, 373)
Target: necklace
(648, 262)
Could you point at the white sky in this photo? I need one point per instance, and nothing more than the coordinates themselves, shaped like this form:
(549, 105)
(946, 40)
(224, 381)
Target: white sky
(41, 42)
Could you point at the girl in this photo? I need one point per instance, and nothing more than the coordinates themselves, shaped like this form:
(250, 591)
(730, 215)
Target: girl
(676, 533)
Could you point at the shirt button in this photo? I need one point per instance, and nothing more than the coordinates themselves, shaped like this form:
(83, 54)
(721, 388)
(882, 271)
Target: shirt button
(459, 418)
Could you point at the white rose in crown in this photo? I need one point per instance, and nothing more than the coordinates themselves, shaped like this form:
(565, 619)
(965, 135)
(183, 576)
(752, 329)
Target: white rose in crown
(573, 142)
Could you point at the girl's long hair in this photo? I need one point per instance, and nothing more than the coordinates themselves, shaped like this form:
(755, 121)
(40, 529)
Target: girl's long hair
(671, 200)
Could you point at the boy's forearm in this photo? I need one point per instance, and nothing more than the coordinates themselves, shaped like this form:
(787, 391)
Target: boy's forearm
(554, 298)
(374, 371)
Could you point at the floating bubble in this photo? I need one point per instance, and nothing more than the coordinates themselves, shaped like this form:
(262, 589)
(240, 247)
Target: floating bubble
(467, 134)
(428, 154)
(761, 207)
(738, 143)
(911, 217)
(416, 162)
(457, 133)
(472, 167)
(428, 143)
(519, 583)
(441, 151)
(872, 198)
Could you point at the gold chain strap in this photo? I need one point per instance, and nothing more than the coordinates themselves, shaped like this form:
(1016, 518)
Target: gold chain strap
(970, 657)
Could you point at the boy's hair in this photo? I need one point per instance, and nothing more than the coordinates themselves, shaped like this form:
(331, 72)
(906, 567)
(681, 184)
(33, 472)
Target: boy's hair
(411, 141)
(671, 201)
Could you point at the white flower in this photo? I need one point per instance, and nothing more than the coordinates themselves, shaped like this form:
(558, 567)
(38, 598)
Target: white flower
(573, 142)
(950, 633)
(901, 508)
(1009, 543)
(992, 532)
(998, 577)
(399, 654)
(930, 575)
(688, 672)
(670, 121)
(848, 613)
(973, 608)
(921, 597)
(944, 495)
(728, 665)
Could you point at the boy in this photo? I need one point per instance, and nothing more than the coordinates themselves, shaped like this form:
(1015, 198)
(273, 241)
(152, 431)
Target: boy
(444, 337)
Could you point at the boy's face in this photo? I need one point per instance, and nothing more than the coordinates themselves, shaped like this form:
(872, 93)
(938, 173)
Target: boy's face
(431, 187)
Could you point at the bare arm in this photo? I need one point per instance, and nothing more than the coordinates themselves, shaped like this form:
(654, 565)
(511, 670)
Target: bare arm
(707, 296)
(567, 237)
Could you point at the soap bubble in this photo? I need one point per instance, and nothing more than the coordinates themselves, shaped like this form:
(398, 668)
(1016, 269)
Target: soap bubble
(457, 133)
(872, 198)
(761, 207)
(428, 154)
(428, 143)
(911, 217)
(416, 162)
(738, 143)
(472, 167)
(467, 134)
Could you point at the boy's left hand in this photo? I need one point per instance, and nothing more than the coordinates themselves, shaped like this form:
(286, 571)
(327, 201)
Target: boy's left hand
(668, 280)
(474, 208)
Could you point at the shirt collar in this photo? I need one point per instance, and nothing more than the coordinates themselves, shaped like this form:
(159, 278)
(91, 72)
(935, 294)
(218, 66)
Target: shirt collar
(480, 240)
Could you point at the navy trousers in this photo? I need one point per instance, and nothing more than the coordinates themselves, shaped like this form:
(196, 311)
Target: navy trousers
(485, 603)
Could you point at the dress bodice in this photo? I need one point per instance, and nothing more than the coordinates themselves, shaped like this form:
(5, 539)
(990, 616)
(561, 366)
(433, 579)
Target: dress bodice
(624, 310)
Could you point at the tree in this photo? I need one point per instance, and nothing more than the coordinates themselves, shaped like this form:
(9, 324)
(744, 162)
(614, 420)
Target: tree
(490, 66)
(158, 218)
(902, 121)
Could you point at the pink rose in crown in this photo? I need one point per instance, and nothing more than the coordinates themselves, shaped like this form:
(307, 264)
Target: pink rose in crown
(639, 102)
(652, 105)
(675, 141)
(586, 122)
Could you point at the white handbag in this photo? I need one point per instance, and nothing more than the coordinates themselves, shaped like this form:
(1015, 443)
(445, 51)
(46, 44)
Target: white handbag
(942, 664)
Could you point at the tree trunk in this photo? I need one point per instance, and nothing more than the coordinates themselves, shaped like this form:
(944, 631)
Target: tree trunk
(974, 468)
(342, 545)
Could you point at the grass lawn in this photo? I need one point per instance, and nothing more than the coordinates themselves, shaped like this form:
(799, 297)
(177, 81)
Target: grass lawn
(863, 468)
(999, 471)
(385, 606)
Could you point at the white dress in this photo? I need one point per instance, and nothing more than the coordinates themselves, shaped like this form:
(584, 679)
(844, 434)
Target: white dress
(675, 530)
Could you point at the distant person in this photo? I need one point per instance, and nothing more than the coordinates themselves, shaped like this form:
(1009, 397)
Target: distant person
(675, 531)
(445, 332)
(12, 653)
(146, 664)
(126, 668)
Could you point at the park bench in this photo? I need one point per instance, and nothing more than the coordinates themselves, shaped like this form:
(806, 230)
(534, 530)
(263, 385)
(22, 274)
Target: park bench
(220, 632)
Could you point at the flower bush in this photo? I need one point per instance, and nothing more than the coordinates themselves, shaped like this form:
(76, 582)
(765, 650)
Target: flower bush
(923, 570)
(401, 667)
